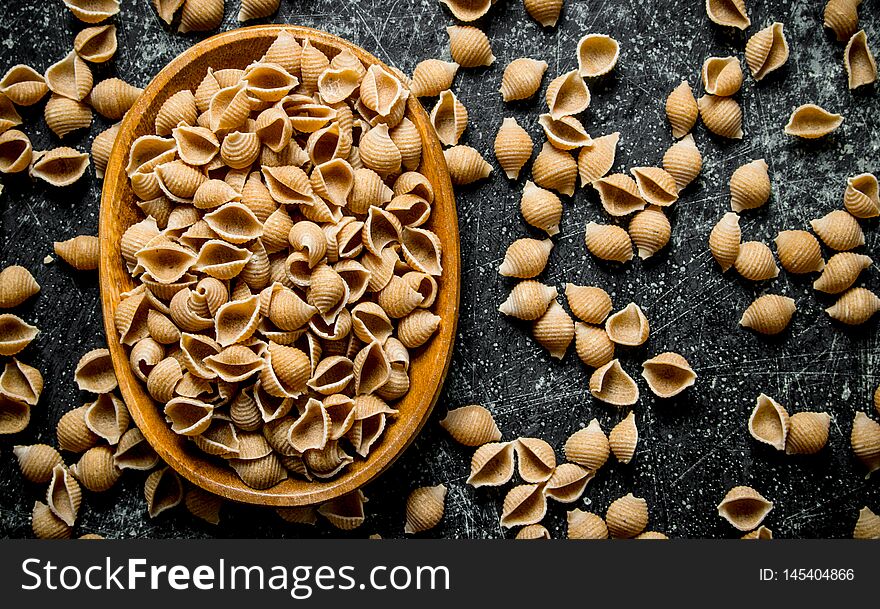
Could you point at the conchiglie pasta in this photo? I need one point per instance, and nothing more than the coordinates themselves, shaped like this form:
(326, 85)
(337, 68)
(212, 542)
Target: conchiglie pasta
(513, 147)
(809, 121)
(522, 78)
(469, 46)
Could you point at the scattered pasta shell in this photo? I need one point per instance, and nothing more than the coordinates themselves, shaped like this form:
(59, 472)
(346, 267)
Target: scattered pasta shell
(619, 194)
(555, 169)
(865, 441)
(200, 16)
(841, 17)
(586, 525)
(841, 271)
(92, 11)
(134, 452)
(97, 470)
(16, 334)
(668, 374)
(522, 78)
(567, 95)
(862, 196)
(682, 110)
(523, 505)
(345, 513)
(568, 482)
(492, 465)
(526, 258)
(721, 115)
(612, 385)
(809, 121)
(655, 185)
(629, 326)
(111, 98)
(533, 531)
(432, 76)
(424, 508)
(94, 372)
(70, 77)
(16, 151)
(465, 164)
(683, 161)
(21, 383)
(163, 490)
(541, 208)
(528, 300)
(257, 9)
(513, 147)
(107, 417)
(867, 526)
(64, 116)
(590, 304)
(839, 230)
(744, 508)
(566, 133)
(597, 160)
(545, 12)
(73, 433)
(769, 314)
(47, 525)
(769, 422)
(749, 186)
(203, 505)
(81, 252)
(60, 166)
(64, 495)
(96, 44)
(807, 433)
(9, 117)
(592, 345)
(724, 240)
(623, 438)
(608, 242)
(650, 231)
(37, 462)
(855, 306)
(722, 76)
(554, 330)
(755, 262)
(469, 46)
(16, 286)
(766, 51)
(799, 252)
(471, 425)
(627, 517)
(23, 85)
(861, 67)
(730, 13)
(597, 54)
(449, 118)
(761, 532)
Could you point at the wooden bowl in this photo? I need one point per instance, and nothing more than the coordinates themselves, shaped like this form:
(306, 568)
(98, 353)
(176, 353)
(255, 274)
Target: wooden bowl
(236, 49)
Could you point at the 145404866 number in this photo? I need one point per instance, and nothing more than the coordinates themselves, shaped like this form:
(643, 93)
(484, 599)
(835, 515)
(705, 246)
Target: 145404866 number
(818, 574)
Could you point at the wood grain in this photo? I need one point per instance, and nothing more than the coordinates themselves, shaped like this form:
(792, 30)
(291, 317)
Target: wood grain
(236, 49)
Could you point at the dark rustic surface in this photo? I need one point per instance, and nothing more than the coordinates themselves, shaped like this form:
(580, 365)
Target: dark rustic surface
(693, 448)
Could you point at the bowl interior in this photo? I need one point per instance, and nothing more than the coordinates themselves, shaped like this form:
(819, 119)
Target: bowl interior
(237, 49)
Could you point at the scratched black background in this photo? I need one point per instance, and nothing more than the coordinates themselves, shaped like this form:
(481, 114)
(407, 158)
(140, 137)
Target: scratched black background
(691, 449)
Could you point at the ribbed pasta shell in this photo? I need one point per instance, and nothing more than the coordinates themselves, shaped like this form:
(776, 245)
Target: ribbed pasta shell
(70, 77)
(629, 326)
(799, 252)
(379, 152)
(862, 196)
(23, 85)
(867, 526)
(533, 531)
(94, 372)
(16, 151)
(382, 92)
(721, 115)
(37, 462)
(471, 425)
(101, 148)
(567, 95)
(766, 50)
(465, 164)
(221, 260)
(649, 230)
(597, 54)
(865, 441)
(808, 433)
(839, 230)
(586, 525)
(536, 460)
(841, 17)
(744, 508)
(861, 67)
(526, 258)
(163, 490)
(513, 147)
(683, 161)
(368, 190)
(568, 482)
(668, 374)
(627, 517)
(213, 194)
(749, 186)
(229, 108)
(592, 344)
(187, 416)
(286, 52)
(424, 508)
(523, 505)
(16, 286)
(21, 383)
(597, 160)
(200, 15)
(855, 306)
(608, 242)
(96, 469)
(522, 78)
(623, 438)
(566, 133)
(682, 110)
(612, 385)
(411, 210)
(492, 464)
(555, 169)
(545, 12)
(619, 194)
(589, 303)
(203, 505)
(731, 13)
(112, 98)
(92, 11)
(528, 300)
(554, 330)
(761, 532)
(107, 417)
(15, 334)
(722, 75)
(755, 262)
(96, 44)
(257, 9)
(345, 513)
(541, 208)
(417, 328)
(809, 121)
(73, 433)
(432, 76)
(769, 314)
(134, 452)
(64, 116)
(64, 495)
(47, 525)
(841, 271)
(469, 46)
(769, 422)
(724, 240)
(9, 117)
(80, 252)
(406, 137)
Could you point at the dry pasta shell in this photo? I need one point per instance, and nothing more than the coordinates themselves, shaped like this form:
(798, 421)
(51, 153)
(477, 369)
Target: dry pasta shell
(724, 240)
(655, 185)
(761, 532)
(865, 441)
(619, 194)
(187, 416)
(682, 110)
(15, 334)
(417, 328)
(567, 95)
(179, 181)
(769, 422)
(721, 115)
(867, 526)
(597, 54)
(107, 417)
(629, 326)
(92, 11)
(809, 121)
(234, 222)
(64, 495)
(424, 508)
(203, 505)
(273, 128)
(240, 150)
(523, 505)
(528, 300)
(371, 369)
(368, 190)
(432, 76)
(566, 133)
(213, 194)
(37, 462)
(345, 513)
(465, 164)
(749, 186)
(862, 196)
(94, 372)
(23, 85)
(612, 385)
(81, 252)
(285, 51)
(683, 161)
(590, 304)
(841, 272)
(533, 531)
(597, 160)
(469, 46)
(96, 44)
(730, 13)
(47, 525)
(650, 231)
(449, 118)
(471, 425)
(668, 374)
(766, 51)
(102, 145)
(200, 16)
(9, 117)
(861, 67)
(586, 525)
(64, 116)
(744, 508)
(379, 152)
(541, 208)
(841, 17)
(21, 383)
(608, 242)
(134, 452)
(163, 490)
(15, 415)
(722, 76)
(554, 330)
(768, 314)
(221, 260)
(513, 147)
(313, 62)
(855, 306)
(70, 77)
(16, 151)
(229, 108)
(111, 98)
(592, 345)
(807, 433)
(492, 464)
(755, 262)
(799, 252)
(406, 137)
(567, 483)
(16, 286)
(73, 433)
(535, 459)
(839, 230)
(96, 469)
(381, 92)
(522, 78)
(526, 258)
(623, 438)
(197, 146)
(627, 517)
(237, 320)
(545, 12)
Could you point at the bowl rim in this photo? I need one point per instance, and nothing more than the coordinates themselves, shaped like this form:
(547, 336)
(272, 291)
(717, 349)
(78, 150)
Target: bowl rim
(133, 391)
